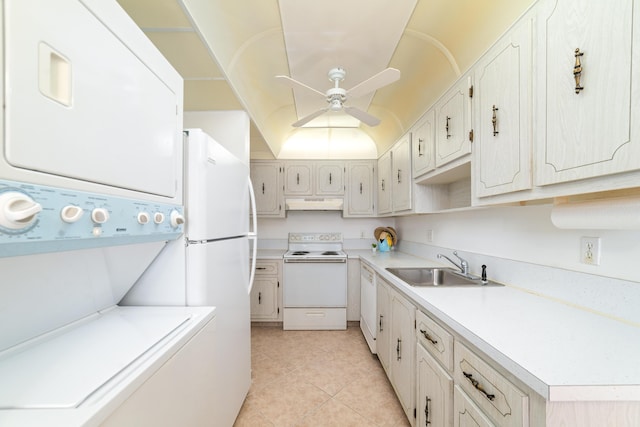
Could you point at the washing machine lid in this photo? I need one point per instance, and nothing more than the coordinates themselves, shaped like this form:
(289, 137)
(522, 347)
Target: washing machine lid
(83, 357)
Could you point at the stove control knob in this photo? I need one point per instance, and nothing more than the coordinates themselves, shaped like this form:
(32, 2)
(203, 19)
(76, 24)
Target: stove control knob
(100, 215)
(18, 210)
(158, 217)
(143, 218)
(177, 219)
(71, 214)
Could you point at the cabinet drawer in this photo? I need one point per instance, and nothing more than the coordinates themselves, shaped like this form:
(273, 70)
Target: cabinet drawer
(267, 268)
(494, 394)
(466, 413)
(435, 339)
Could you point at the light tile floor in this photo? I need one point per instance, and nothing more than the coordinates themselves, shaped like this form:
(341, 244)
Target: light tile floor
(317, 378)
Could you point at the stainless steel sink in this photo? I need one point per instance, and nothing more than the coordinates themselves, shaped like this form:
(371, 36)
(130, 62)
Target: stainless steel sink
(427, 276)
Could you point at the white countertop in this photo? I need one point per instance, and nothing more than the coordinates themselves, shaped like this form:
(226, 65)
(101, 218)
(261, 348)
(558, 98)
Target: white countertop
(563, 352)
(270, 253)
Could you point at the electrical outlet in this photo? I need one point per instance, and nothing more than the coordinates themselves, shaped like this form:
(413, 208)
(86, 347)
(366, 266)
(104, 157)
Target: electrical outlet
(429, 236)
(590, 250)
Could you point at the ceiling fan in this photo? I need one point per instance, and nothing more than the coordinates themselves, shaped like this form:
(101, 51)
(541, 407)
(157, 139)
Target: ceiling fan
(337, 96)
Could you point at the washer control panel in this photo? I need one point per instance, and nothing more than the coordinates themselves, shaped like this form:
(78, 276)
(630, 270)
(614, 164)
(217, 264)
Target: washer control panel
(36, 218)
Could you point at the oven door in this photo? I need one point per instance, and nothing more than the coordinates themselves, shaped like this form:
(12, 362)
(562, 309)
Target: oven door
(315, 283)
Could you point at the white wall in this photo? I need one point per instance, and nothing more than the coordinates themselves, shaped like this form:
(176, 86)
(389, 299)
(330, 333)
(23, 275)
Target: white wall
(357, 232)
(525, 233)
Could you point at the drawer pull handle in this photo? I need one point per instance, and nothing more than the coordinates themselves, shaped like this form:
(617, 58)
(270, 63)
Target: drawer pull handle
(426, 412)
(261, 268)
(259, 297)
(577, 70)
(420, 141)
(428, 337)
(360, 188)
(382, 185)
(494, 121)
(398, 350)
(447, 127)
(478, 387)
(381, 316)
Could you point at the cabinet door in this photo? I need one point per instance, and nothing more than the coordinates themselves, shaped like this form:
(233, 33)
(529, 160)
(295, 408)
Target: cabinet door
(330, 179)
(591, 128)
(360, 189)
(502, 153)
(298, 179)
(267, 186)
(466, 413)
(402, 358)
(384, 184)
(453, 123)
(434, 392)
(383, 302)
(423, 145)
(401, 178)
(264, 298)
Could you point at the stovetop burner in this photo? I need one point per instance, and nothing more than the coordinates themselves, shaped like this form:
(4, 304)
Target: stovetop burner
(330, 253)
(300, 253)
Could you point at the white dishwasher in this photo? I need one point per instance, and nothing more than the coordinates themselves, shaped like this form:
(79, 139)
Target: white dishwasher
(368, 305)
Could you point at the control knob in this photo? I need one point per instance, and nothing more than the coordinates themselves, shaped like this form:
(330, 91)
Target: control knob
(100, 215)
(71, 213)
(143, 218)
(18, 210)
(177, 219)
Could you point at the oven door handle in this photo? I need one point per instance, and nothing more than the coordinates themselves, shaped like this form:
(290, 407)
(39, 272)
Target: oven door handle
(316, 261)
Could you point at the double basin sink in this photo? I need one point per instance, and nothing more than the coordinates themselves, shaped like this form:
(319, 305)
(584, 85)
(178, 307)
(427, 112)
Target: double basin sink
(436, 277)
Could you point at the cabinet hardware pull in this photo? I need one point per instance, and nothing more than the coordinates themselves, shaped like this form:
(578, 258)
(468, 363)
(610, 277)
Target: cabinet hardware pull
(447, 127)
(398, 176)
(577, 70)
(494, 121)
(428, 337)
(383, 185)
(381, 316)
(398, 349)
(263, 188)
(471, 135)
(261, 268)
(329, 177)
(360, 188)
(478, 387)
(426, 412)
(259, 297)
(420, 141)
(297, 178)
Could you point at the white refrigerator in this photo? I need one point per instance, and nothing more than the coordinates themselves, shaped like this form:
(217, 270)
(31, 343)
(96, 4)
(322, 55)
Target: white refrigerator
(219, 236)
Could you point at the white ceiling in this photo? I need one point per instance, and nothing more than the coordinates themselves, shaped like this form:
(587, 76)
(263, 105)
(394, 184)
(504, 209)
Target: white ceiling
(228, 52)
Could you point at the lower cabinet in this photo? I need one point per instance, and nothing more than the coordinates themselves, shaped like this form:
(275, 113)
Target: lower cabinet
(265, 294)
(466, 413)
(434, 392)
(396, 343)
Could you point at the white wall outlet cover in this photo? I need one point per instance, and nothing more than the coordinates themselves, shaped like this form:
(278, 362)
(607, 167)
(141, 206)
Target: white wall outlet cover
(590, 250)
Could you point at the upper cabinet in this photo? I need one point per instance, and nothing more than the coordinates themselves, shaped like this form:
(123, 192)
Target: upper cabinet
(423, 145)
(384, 183)
(502, 115)
(330, 178)
(267, 186)
(453, 123)
(360, 193)
(401, 178)
(395, 179)
(587, 93)
(298, 179)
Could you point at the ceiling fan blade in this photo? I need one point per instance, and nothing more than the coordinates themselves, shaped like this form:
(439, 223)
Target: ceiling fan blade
(307, 119)
(381, 79)
(296, 84)
(365, 118)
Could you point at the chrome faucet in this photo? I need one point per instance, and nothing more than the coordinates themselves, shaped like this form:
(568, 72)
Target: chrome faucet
(463, 266)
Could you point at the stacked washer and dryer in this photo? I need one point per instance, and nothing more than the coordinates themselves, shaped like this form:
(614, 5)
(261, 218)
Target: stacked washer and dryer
(90, 197)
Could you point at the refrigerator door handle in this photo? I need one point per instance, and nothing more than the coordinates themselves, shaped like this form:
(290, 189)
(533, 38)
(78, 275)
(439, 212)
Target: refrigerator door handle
(253, 234)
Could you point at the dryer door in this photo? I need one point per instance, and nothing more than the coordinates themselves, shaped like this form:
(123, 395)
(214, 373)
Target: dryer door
(89, 97)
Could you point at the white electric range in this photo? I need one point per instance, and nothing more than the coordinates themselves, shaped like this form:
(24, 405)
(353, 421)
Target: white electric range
(315, 282)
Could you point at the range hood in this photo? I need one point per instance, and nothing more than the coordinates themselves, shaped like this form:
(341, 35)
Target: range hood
(314, 204)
